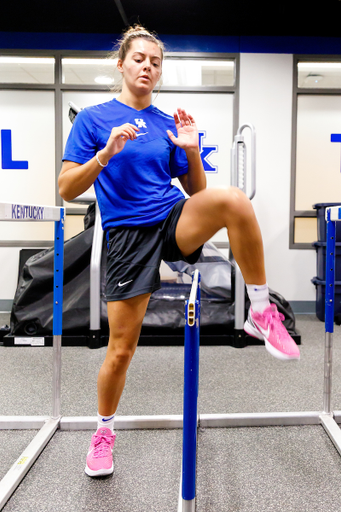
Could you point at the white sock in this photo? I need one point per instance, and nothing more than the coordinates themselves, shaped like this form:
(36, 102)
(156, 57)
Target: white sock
(259, 296)
(105, 421)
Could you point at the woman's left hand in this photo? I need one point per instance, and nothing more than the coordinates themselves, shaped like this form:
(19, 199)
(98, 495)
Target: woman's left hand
(187, 131)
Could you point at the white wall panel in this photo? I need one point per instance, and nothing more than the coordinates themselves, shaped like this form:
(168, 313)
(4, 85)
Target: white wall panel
(318, 177)
(266, 101)
(29, 115)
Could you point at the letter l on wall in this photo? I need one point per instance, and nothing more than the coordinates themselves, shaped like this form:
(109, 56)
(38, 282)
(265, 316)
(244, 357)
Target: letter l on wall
(6, 153)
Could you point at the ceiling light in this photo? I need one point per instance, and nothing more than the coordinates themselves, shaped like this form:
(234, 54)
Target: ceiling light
(26, 60)
(104, 80)
(91, 62)
(217, 63)
(318, 65)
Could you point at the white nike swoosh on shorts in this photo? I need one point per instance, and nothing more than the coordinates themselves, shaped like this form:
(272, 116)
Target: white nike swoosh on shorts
(139, 134)
(122, 284)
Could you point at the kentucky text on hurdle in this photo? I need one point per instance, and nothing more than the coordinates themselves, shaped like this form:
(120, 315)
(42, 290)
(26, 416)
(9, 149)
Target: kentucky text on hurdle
(27, 212)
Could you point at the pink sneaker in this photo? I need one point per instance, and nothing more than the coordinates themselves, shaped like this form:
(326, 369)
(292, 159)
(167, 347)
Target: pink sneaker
(268, 326)
(99, 460)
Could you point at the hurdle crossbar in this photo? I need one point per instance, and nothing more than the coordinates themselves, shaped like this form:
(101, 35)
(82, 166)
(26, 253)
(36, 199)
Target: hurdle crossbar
(29, 212)
(232, 420)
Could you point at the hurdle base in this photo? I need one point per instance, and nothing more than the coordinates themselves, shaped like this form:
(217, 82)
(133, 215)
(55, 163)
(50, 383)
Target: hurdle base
(332, 429)
(26, 460)
(239, 338)
(188, 505)
(44, 341)
(94, 339)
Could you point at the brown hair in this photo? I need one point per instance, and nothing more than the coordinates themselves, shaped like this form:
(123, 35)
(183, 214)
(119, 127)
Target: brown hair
(137, 31)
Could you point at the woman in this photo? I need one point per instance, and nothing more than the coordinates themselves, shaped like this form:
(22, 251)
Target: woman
(127, 148)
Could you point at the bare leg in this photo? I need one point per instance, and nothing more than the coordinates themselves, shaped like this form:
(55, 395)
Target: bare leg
(212, 209)
(203, 215)
(125, 321)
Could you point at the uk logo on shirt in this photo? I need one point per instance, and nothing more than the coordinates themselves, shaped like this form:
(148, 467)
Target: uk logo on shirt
(140, 123)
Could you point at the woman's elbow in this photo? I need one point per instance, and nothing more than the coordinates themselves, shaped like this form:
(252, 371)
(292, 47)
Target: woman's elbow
(63, 190)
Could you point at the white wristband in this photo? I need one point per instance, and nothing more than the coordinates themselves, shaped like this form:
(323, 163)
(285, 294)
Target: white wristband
(99, 163)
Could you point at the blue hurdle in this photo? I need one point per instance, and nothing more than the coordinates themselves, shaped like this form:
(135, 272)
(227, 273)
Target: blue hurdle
(191, 388)
(33, 213)
(58, 273)
(333, 214)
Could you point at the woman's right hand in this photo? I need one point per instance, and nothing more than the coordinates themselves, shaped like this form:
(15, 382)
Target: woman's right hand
(118, 137)
(75, 178)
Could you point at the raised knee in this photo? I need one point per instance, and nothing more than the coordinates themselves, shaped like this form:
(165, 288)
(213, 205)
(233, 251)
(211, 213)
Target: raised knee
(236, 194)
(236, 201)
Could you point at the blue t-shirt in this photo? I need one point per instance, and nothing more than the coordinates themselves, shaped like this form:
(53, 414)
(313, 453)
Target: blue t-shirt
(135, 188)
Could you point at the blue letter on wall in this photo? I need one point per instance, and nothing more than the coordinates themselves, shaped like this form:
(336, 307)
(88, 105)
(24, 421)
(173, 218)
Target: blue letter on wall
(205, 152)
(6, 152)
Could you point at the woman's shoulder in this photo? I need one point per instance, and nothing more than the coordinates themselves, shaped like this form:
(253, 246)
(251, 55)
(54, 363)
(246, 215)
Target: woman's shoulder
(100, 114)
(99, 109)
(162, 115)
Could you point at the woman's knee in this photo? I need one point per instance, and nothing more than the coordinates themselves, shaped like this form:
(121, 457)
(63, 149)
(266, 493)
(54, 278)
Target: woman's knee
(237, 197)
(118, 358)
(238, 204)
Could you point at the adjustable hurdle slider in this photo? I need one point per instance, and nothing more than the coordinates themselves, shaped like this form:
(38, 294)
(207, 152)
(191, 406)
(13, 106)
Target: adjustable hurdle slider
(333, 213)
(193, 297)
(239, 308)
(191, 314)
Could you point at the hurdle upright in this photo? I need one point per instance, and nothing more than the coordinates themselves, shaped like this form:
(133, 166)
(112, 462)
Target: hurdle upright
(333, 215)
(190, 403)
(33, 213)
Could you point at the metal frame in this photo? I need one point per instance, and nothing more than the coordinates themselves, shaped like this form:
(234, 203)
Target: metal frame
(296, 92)
(239, 179)
(59, 88)
(95, 271)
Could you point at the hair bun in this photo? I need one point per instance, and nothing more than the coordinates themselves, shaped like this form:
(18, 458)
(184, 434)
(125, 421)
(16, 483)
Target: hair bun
(134, 32)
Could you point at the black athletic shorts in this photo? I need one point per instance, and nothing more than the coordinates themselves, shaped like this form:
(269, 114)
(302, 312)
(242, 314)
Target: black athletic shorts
(135, 254)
